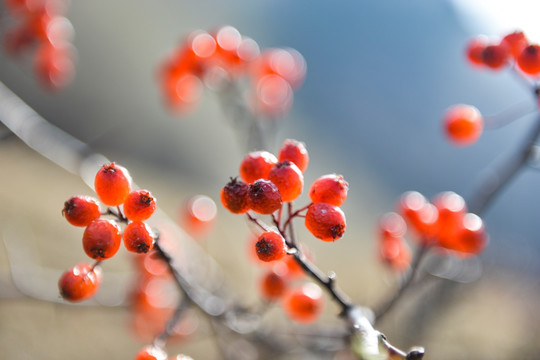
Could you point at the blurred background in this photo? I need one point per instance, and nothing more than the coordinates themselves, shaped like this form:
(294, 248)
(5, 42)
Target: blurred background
(380, 75)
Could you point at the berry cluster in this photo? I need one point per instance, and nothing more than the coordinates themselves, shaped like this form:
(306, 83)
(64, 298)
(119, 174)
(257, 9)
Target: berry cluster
(226, 55)
(102, 237)
(41, 25)
(443, 223)
(268, 185)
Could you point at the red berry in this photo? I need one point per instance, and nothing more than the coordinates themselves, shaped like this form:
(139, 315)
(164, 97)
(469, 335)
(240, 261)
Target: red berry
(112, 184)
(151, 353)
(392, 225)
(451, 209)
(264, 197)
(289, 180)
(420, 214)
(257, 165)
(270, 246)
(515, 42)
(198, 215)
(296, 152)
(528, 60)
(395, 253)
(139, 205)
(54, 65)
(273, 95)
(101, 239)
(274, 283)
(331, 189)
(138, 237)
(234, 196)
(463, 124)
(81, 210)
(287, 63)
(469, 238)
(305, 303)
(325, 221)
(495, 56)
(80, 282)
(475, 49)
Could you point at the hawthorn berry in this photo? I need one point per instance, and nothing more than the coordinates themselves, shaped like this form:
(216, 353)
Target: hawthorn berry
(330, 189)
(138, 237)
(112, 184)
(273, 95)
(295, 151)
(81, 210)
(451, 209)
(463, 124)
(198, 215)
(495, 56)
(270, 246)
(528, 60)
(288, 178)
(151, 353)
(80, 282)
(234, 196)
(468, 238)
(419, 213)
(392, 225)
(264, 197)
(304, 304)
(395, 253)
(101, 239)
(515, 42)
(475, 50)
(139, 205)
(325, 221)
(273, 283)
(257, 165)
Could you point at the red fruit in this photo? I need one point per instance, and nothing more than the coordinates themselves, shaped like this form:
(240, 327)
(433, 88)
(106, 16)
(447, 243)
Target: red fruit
(325, 221)
(451, 209)
(270, 246)
(198, 215)
(112, 184)
(475, 50)
(257, 165)
(295, 151)
(495, 56)
(304, 304)
(54, 65)
(151, 353)
(469, 238)
(420, 214)
(274, 283)
(273, 95)
(101, 239)
(392, 225)
(287, 63)
(81, 210)
(228, 40)
(80, 282)
(139, 205)
(288, 178)
(528, 60)
(395, 253)
(138, 237)
(463, 124)
(234, 196)
(264, 197)
(515, 42)
(331, 189)
(182, 91)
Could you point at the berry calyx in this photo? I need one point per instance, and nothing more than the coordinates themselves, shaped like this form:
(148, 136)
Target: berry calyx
(139, 205)
(330, 189)
(101, 239)
(138, 237)
(234, 196)
(463, 124)
(80, 282)
(304, 304)
(264, 197)
(528, 60)
(325, 221)
(270, 246)
(288, 178)
(257, 165)
(81, 210)
(295, 151)
(112, 184)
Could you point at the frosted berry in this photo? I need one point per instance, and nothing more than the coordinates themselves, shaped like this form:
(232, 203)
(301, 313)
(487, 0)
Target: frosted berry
(270, 246)
(234, 196)
(112, 184)
(138, 237)
(304, 304)
(463, 124)
(101, 239)
(273, 283)
(264, 197)
(331, 189)
(151, 353)
(296, 152)
(528, 60)
(325, 221)
(80, 282)
(288, 178)
(81, 210)
(257, 165)
(139, 205)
